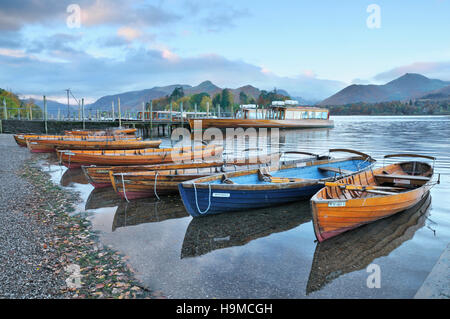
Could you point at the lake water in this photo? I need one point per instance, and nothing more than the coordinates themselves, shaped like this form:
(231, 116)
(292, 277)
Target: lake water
(272, 253)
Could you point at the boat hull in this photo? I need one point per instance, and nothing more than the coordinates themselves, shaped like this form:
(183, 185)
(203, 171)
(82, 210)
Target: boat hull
(53, 145)
(223, 201)
(358, 213)
(77, 159)
(114, 131)
(259, 123)
(21, 139)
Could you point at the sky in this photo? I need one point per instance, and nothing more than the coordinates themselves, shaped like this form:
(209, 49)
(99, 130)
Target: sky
(311, 49)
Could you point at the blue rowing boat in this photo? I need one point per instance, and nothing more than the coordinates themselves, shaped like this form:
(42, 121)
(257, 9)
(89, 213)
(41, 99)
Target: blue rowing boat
(268, 186)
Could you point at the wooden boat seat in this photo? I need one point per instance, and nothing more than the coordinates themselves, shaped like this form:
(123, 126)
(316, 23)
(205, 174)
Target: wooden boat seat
(335, 170)
(402, 179)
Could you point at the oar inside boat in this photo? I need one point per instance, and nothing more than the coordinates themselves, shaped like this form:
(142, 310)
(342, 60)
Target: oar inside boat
(387, 190)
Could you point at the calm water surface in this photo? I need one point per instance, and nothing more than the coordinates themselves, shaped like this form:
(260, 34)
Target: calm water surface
(272, 253)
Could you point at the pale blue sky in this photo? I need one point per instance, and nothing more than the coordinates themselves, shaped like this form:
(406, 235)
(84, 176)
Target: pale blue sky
(310, 48)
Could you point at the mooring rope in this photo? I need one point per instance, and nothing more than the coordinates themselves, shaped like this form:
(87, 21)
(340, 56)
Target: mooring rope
(154, 188)
(196, 199)
(124, 190)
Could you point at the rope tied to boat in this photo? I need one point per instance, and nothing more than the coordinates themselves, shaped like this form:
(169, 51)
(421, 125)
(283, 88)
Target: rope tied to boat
(124, 190)
(196, 199)
(154, 187)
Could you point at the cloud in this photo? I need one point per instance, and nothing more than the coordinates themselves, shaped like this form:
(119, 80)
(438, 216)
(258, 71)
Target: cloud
(16, 14)
(120, 12)
(61, 42)
(440, 70)
(214, 16)
(309, 73)
(128, 33)
(91, 76)
(12, 53)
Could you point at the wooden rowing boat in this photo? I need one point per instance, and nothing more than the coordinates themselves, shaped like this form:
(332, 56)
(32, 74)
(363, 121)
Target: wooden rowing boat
(355, 250)
(369, 196)
(147, 156)
(21, 139)
(97, 143)
(111, 131)
(204, 235)
(99, 177)
(256, 188)
(164, 179)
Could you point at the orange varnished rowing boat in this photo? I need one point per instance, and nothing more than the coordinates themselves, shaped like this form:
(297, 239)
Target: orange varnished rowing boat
(147, 156)
(113, 131)
(99, 177)
(371, 195)
(356, 249)
(88, 143)
(21, 139)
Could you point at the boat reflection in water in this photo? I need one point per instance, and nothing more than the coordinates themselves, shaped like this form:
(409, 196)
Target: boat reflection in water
(71, 176)
(147, 210)
(207, 233)
(102, 197)
(356, 249)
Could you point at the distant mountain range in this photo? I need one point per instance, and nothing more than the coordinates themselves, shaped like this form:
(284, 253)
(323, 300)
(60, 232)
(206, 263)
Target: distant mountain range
(409, 86)
(406, 87)
(53, 106)
(133, 100)
(441, 94)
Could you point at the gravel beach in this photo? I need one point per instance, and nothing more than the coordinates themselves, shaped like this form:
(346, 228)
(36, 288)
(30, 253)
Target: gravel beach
(45, 252)
(23, 260)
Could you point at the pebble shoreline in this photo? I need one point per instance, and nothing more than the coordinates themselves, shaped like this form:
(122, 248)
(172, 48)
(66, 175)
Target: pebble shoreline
(43, 247)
